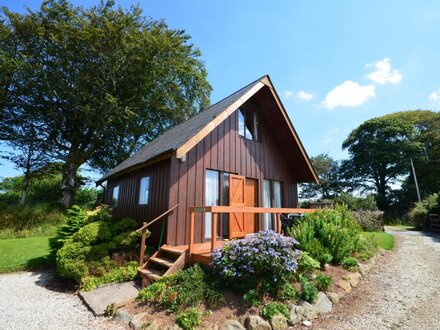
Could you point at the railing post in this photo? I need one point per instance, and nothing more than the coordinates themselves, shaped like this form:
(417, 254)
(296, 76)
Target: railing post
(191, 230)
(213, 230)
(142, 251)
(278, 215)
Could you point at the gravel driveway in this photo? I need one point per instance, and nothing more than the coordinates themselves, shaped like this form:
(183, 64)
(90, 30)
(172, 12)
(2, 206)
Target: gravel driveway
(402, 292)
(29, 300)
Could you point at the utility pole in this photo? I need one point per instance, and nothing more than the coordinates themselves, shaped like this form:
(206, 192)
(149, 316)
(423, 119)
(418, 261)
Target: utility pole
(415, 180)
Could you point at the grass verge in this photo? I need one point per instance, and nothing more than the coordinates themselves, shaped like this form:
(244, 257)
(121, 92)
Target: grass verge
(24, 253)
(386, 241)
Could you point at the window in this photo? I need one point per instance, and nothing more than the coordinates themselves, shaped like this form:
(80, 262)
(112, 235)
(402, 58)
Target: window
(115, 195)
(212, 196)
(272, 197)
(216, 193)
(144, 190)
(248, 125)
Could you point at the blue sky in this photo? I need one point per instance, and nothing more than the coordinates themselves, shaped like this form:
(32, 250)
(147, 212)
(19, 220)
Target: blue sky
(335, 64)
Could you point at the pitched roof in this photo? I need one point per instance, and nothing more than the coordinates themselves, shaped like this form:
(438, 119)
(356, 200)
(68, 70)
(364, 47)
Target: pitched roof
(175, 137)
(181, 138)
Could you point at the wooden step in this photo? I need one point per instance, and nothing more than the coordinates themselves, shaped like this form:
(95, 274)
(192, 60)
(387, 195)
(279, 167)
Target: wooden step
(150, 273)
(171, 250)
(162, 261)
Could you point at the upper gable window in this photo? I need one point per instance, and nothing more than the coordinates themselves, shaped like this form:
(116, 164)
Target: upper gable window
(248, 125)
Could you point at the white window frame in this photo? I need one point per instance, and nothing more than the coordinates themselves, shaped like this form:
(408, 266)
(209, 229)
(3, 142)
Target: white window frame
(144, 190)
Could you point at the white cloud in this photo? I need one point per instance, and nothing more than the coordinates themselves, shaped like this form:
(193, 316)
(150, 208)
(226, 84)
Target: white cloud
(383, 73)
(326, 141)
(334, 131)
(287, 94)
(304, 96)
(435, 96)
(348, 94)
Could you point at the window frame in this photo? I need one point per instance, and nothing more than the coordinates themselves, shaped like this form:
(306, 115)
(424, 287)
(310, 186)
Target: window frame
(147, 191)
(243, 130)
(115, 200)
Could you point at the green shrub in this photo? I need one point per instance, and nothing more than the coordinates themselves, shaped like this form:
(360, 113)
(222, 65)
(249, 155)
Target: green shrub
(117, 275)
(189, 319)
(366, 248)
(89, 240)
(252, 297)
(351, 264)
(369, 220)
(186, 288)
(308, 291)
(93, 233)
(323, 282)
(307, 264)
(288, 293)
(419, 213)
(274, 308)
(358, 203)
(328, 235)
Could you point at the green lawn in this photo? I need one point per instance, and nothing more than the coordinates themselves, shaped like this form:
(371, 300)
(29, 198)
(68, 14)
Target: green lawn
(386, 241)
(24, 253)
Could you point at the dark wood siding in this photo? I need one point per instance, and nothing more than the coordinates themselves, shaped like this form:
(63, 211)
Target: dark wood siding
(128, 205)
(224, 150)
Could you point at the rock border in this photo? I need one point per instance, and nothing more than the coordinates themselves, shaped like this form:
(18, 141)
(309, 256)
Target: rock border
(302, 312)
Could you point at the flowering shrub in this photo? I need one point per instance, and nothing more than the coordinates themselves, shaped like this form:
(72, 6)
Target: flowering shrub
(369, 220)
(263, 260)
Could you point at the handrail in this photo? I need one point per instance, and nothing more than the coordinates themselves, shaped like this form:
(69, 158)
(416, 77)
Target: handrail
(144, 233)
(153, 221)
(215, 210)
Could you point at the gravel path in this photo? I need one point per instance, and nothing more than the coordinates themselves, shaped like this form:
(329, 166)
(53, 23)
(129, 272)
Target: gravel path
(29, 300)
(402, 292)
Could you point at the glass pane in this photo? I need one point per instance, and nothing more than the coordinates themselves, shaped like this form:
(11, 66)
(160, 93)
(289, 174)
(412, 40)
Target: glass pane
(241, 122)
(255, 127)
(267, 223)
(249, 125)
(212, 196)
(225, 192)
(115, 195)
(143, 191)
(276, 194)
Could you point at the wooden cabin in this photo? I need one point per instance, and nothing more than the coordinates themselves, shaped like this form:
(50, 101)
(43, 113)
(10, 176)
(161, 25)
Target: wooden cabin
(241, 152)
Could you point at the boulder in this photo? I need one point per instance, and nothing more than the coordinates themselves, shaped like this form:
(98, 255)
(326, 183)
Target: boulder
(254, 322)
(310, 311)
(344, 285)
(296, 314)
(232, 325)
(153, 326)
(307, 323)
(140, 321)
(323, 304)
(354, 279)
(122, 316)
(334, 297)
(364, 269)
(278, 322)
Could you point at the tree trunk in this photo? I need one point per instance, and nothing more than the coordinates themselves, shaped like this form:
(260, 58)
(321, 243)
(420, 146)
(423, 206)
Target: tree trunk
(69, 182)
(24, 190)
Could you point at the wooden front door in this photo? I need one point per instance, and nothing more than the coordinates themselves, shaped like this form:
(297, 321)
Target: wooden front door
(250, 199)
(236, 198)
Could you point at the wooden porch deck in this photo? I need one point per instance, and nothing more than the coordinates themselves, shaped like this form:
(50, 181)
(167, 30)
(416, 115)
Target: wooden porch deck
(201, 252)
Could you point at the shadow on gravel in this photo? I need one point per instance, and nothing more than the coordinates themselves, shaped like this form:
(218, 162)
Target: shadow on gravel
(49, 279)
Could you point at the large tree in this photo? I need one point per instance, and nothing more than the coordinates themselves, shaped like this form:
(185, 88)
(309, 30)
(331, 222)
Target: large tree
(330, 182)
(381, 148)
(97, 83)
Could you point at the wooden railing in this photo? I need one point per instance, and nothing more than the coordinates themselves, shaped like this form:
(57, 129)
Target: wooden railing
(144, 232)
(216, 210)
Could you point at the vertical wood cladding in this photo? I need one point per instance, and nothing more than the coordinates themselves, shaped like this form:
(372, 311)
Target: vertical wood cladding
(128, 205)
(224, 150)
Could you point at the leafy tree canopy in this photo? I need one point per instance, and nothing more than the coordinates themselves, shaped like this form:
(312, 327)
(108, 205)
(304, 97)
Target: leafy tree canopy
(330, 183)
(96, 84)
(381, 148)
